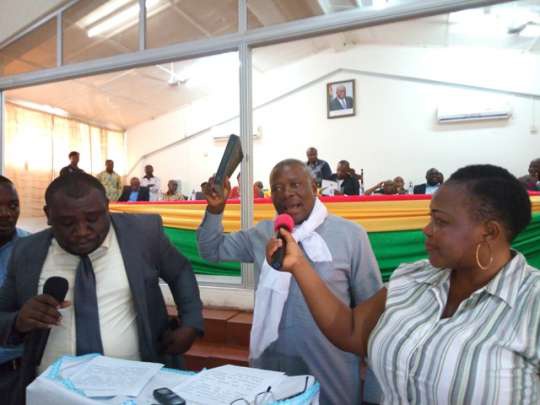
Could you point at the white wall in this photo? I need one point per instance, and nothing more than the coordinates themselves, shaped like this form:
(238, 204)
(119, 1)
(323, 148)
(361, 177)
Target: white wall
(394, 131)
(18, 14)
(192, 161)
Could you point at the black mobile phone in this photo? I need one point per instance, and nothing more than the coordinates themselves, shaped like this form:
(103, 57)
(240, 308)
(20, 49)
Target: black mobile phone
(166, 397)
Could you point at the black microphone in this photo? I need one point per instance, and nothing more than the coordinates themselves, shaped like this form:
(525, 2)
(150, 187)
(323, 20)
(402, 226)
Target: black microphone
(57, 288)
(281, 221)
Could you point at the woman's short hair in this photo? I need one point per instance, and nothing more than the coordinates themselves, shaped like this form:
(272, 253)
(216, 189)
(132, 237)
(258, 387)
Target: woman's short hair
(496, 194)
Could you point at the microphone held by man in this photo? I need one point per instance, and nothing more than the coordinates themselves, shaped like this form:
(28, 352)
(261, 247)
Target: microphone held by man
(282, 221)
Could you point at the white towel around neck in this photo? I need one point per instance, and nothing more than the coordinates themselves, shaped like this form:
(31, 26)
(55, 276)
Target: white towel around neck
(273, 288)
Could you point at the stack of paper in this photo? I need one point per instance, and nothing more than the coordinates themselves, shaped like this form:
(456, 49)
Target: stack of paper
(108, 377)
(222, 385)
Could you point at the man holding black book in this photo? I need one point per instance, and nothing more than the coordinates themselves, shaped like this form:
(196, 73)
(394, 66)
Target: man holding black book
(284, 335)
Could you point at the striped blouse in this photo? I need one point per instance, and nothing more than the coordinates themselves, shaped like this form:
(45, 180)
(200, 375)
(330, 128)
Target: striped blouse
(488, 352)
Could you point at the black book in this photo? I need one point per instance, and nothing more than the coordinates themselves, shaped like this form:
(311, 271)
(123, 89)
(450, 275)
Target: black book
(230, 160)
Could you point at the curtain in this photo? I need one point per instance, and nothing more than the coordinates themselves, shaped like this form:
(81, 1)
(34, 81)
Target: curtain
(37, 145)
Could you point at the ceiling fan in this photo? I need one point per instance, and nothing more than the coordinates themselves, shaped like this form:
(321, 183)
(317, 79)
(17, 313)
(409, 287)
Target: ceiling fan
(174, 78)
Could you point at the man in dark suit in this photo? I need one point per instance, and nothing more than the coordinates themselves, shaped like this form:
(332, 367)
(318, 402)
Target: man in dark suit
(73, 164)
(341, 101)
(134, 192)
(10, 357)
(348, 183)
(434, 179)
(113, 264)
(320, 169)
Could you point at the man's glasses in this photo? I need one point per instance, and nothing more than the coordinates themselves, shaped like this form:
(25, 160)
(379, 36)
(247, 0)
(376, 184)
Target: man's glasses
(267, 397)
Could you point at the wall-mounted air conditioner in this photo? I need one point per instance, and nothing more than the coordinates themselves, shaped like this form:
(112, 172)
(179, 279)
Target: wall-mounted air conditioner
(224, 136)
(446, 115)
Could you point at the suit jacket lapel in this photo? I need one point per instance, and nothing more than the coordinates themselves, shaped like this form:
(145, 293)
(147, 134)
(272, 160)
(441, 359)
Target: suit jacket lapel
(29, 278)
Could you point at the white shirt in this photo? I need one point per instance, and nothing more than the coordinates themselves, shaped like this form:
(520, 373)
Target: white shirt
(154, 187)
(431, 189)
(117, 317)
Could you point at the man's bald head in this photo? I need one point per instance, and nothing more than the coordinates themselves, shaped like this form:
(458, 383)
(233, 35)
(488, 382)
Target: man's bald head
(293, 189)
(291, 162)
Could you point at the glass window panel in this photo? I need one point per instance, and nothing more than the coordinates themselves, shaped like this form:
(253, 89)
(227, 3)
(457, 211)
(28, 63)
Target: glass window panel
(174, 21)
(408, 87)
(96, 29)
(34, 51)
(96, 146)
(115, 150)
(28, 167)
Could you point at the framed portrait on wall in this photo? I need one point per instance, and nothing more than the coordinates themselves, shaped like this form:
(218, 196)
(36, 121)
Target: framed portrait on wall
(341, 99)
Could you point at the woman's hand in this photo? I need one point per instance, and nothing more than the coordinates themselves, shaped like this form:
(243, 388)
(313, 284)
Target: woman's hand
(294, 259)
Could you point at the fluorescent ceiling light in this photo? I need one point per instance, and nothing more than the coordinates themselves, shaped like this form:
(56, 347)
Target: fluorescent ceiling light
(101, 12)
(530, 31)
(41, 107)
(129, 15)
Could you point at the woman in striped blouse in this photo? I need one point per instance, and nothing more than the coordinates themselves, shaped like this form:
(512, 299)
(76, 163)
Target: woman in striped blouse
(460, 328)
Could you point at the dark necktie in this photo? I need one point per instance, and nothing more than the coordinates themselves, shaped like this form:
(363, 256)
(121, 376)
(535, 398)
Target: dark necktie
(86, 309)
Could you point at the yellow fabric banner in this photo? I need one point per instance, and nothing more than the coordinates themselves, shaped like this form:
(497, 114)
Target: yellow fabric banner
(374, 216)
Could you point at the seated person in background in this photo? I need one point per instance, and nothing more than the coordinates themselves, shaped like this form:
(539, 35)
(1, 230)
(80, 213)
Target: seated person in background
(10, 357)
(387, 187)
(360, 176)
(434, 179)
(235, 191)
(134, 192)
(113, 264)
(532, 180)
(172, 193)
(258, 189)
(284, 336)
(459, 328)
(199, 195)
(348, 183)
(320, 169)
(400, 185)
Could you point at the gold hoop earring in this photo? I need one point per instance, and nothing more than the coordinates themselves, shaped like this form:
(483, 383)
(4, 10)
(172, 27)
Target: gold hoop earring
(478, 256)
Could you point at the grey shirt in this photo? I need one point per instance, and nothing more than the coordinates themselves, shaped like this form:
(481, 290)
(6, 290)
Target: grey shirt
(353, 276)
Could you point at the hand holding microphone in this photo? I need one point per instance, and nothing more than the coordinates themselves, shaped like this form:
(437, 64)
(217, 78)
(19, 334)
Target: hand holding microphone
(41, 312)
(282, 251)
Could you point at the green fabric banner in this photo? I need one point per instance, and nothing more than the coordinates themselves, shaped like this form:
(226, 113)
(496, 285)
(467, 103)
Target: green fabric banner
(186, 242)
(391, 249)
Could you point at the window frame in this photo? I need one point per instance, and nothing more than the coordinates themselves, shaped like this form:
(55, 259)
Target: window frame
(243, 42)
